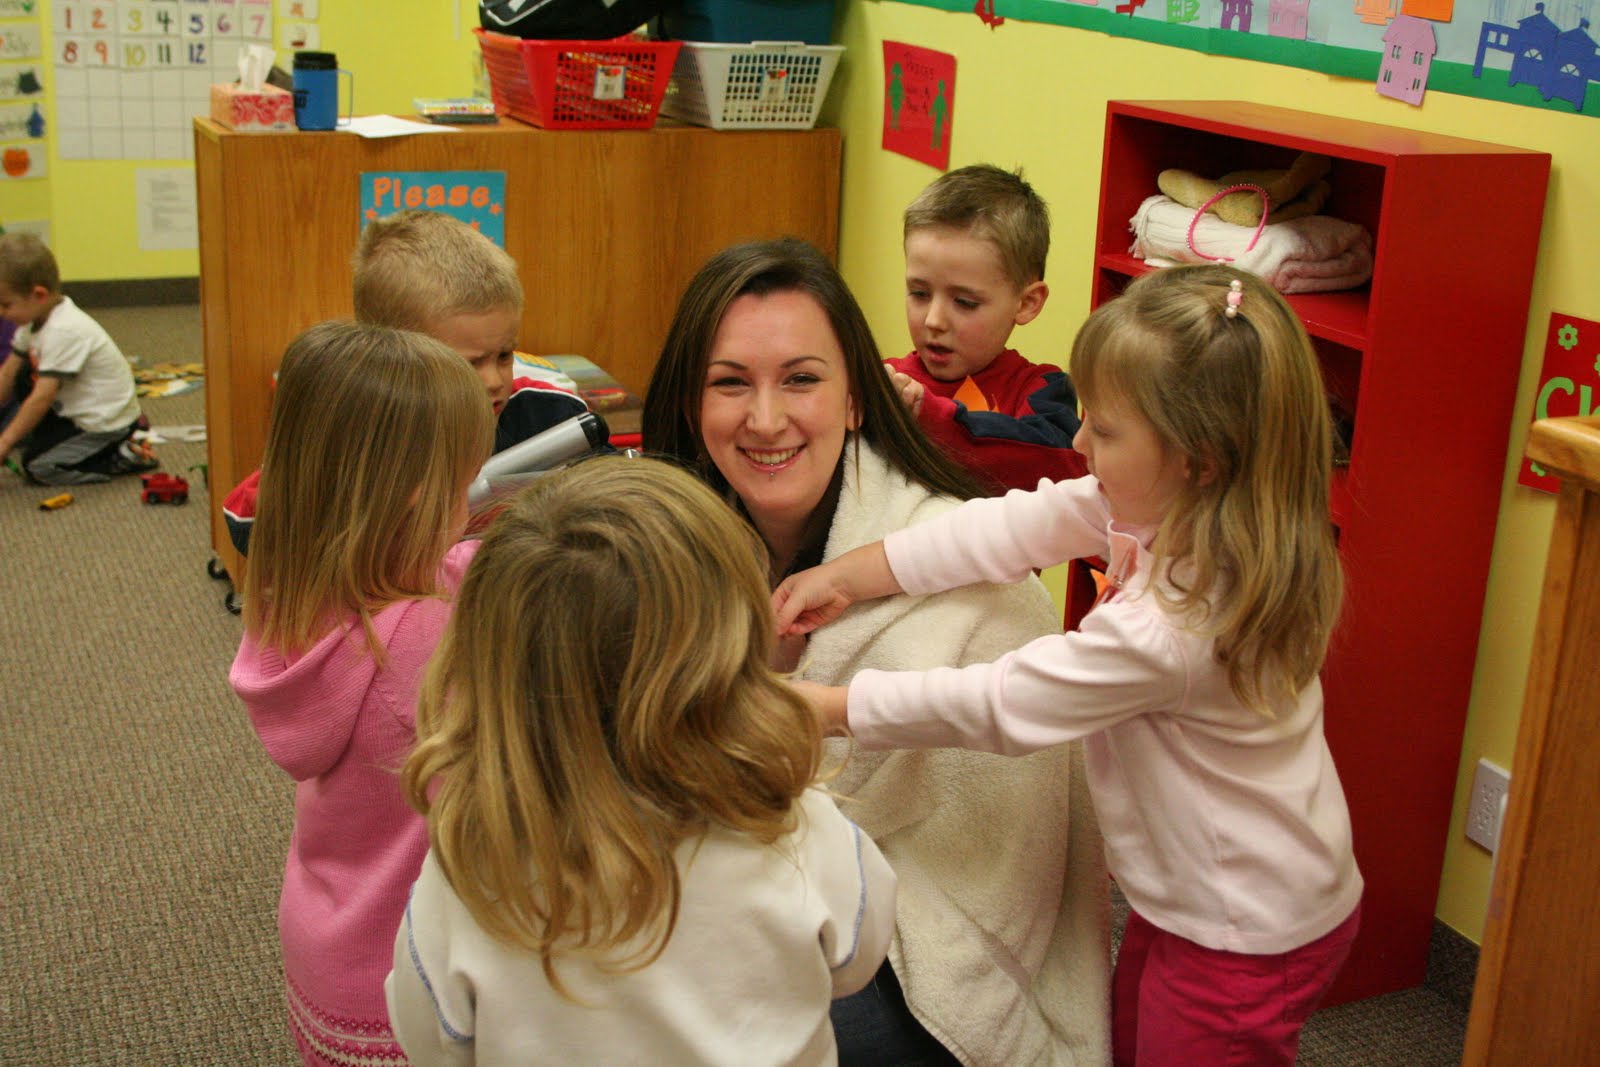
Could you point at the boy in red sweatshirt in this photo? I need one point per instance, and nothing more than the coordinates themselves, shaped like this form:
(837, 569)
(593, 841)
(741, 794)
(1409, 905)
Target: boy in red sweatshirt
(975, 247)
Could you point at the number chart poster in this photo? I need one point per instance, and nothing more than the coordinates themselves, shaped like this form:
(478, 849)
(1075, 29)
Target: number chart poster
(130, 75)
(1536, 53)
(476, 197)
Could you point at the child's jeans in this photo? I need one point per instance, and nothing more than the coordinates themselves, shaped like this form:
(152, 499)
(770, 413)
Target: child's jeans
(1178, 1004)
(57, 452)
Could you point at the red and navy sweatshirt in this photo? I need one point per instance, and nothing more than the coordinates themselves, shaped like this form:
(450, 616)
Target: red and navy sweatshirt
(1024, 435)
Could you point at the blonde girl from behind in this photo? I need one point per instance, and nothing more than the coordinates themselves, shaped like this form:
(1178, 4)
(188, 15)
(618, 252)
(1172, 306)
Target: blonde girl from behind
(1194, 679)
(375, 435)
(628, 863)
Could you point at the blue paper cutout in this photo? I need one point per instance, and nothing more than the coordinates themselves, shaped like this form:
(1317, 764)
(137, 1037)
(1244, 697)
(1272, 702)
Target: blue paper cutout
(1560, 65)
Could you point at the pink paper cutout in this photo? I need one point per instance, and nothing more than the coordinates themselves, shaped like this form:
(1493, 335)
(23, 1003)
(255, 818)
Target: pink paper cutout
(1287, 18)
(1409, 47)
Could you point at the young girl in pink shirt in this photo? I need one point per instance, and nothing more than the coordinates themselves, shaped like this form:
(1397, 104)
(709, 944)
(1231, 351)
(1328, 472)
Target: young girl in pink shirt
(375, 436)
(1193, 681)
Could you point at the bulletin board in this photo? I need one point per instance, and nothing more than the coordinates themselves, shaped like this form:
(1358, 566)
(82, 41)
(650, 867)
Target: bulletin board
(1536, 53)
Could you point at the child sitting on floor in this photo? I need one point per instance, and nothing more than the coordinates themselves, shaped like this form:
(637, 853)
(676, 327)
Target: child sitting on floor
(76, 410)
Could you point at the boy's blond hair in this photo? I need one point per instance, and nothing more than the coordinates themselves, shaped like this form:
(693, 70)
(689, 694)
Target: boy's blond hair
(1241, 397)
(26, 261)
(375, 434)
(415, 268)
(993, 205)
(602, 695)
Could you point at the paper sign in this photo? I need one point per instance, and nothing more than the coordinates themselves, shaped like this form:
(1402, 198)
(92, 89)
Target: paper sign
(1569, 383)
(476, 197)
(919, 102)
(166, 204)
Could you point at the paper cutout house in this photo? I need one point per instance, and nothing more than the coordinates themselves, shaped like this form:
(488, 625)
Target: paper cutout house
(1287, 18)
(1559, 65)
(1409, 47)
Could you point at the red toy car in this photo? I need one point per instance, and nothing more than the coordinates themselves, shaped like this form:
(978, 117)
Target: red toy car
(162, 488)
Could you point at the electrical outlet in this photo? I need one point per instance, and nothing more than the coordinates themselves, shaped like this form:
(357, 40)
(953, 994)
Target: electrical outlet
(1487, 806)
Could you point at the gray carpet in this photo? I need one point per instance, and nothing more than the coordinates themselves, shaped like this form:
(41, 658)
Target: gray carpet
(146, 830)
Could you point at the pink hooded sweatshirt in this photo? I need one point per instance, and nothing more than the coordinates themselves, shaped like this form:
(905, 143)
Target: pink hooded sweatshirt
(341, 726)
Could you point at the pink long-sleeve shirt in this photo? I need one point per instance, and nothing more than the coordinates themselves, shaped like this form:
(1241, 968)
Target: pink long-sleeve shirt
(1221, 825)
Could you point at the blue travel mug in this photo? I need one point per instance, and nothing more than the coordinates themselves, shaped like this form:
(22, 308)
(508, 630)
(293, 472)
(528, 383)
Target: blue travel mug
(316, 91)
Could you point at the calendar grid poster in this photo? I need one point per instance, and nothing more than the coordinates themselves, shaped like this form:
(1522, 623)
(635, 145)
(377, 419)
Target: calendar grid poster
(130, 75)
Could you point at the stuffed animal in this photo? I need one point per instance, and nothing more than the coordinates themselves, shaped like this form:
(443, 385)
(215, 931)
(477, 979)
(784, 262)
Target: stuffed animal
(1296, 191)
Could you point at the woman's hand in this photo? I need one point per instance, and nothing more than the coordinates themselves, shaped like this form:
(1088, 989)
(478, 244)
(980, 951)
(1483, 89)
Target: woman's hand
(812, 598)
(830, 703)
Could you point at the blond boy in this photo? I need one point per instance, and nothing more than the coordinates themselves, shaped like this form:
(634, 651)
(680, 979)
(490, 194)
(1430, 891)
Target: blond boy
(975, 246)
(432, 273)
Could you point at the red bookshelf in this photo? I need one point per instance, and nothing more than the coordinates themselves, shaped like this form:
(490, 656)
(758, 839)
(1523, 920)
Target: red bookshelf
(1424, 361)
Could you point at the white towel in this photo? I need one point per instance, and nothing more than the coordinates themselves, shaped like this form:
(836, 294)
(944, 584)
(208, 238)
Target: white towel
(1314, 253)
(1001, 938)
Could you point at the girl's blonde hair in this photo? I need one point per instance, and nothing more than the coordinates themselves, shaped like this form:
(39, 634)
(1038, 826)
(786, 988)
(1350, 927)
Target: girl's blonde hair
(600, 696)
(375, 434)
(1241, 398)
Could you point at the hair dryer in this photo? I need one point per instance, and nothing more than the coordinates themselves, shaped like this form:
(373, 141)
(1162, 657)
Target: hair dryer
(526, 460)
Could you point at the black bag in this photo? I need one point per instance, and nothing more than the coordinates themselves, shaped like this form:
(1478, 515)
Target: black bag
(566, 20)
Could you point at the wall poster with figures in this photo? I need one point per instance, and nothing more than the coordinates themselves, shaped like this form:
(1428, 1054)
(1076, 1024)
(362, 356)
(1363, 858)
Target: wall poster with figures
(919, 101)
(130, 75)
(1536, 53)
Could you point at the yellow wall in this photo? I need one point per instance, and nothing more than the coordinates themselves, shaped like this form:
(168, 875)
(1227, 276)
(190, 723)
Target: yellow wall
(1034, 95)
(397, 51)
(1030, 95)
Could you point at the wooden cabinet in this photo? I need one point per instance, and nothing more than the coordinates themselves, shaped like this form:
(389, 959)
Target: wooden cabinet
(1423, 362)
(1538, 985)
(607, 227)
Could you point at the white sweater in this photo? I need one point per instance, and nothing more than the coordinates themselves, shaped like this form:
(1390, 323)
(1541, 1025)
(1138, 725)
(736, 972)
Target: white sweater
(1001, 938)
(766, 937)
(1221, 825)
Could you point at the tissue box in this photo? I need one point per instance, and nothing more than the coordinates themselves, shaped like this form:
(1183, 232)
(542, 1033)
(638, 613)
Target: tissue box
(262, 110)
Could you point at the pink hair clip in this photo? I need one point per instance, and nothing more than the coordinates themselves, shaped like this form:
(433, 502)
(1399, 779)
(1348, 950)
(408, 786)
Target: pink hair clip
(1235, 297)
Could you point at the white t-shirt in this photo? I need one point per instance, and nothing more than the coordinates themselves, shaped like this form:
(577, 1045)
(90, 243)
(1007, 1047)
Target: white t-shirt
(96, 392)
(766, 937)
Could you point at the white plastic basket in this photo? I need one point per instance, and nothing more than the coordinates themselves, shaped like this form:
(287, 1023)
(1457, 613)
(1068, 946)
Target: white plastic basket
(765, 85)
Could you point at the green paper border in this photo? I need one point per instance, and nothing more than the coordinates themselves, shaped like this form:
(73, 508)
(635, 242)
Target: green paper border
(1356, 63)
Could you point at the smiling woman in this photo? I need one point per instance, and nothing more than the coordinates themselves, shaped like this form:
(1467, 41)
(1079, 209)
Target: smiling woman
(771, 388)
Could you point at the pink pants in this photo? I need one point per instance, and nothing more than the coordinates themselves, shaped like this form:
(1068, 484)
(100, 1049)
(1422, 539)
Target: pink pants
(1176, 1004)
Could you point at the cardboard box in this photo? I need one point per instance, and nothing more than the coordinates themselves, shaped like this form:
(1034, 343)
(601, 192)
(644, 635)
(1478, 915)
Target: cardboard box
(265, 110)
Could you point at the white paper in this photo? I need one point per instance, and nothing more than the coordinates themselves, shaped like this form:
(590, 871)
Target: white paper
(391, 126)
(165, 201)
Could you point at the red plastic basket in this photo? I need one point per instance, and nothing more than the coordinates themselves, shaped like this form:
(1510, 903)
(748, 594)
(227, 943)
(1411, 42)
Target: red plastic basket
(578, 85)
